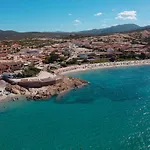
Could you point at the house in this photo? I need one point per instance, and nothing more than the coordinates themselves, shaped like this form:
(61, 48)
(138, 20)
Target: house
(10, 65)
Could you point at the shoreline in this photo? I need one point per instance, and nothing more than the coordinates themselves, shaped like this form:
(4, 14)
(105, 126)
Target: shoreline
(80, 68)
(45, 92)
(86, 67)
(11, 97)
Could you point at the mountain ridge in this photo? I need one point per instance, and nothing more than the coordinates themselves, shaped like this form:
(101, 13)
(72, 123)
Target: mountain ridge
(14, 35)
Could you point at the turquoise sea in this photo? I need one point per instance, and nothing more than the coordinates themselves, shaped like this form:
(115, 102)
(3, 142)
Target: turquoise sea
(111, 113)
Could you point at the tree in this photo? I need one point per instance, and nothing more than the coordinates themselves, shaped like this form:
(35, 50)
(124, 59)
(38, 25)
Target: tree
(30, 71)
(85, 60)
(142, 56)
(51, 58)
(112, 59)
(72, 61)
(63, 64)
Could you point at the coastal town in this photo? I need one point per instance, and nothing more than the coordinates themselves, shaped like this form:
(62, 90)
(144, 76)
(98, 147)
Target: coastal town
(74, 75)
(42, 62)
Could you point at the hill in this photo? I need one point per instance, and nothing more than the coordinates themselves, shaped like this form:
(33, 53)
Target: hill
(113, 29)
(13, 35)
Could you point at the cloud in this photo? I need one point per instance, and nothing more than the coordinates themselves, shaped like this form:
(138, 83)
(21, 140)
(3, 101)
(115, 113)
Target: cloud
(104, 25)
(69, 14)
(98, 14)
(127, 15)
(77, 22)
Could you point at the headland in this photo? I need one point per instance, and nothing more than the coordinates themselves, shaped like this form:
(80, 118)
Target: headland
(41, 87)
(47, 84)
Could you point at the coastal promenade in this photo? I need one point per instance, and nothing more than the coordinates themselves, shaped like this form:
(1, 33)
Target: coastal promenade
(62, 71)
(42, 79)
(84, 67)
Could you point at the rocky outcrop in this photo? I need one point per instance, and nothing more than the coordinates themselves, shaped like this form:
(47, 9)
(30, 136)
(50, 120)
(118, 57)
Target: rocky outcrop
(67, 83)
(16, 89)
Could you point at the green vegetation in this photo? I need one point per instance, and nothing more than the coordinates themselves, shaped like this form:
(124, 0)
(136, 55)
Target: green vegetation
(50, 70)
(35, 43)
(53, 57)
(142, 56)
(72, 62)
(133, 56)
(63, 64)
(103, 60)
(30, 71)
(85, 61)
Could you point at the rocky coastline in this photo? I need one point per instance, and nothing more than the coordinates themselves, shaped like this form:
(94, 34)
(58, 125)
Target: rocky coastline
(46, 92)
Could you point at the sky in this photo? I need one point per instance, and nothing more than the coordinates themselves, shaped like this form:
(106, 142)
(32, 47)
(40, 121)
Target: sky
(71, 15)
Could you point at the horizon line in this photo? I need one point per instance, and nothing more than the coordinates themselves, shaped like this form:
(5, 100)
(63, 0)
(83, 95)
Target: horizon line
(72, 31)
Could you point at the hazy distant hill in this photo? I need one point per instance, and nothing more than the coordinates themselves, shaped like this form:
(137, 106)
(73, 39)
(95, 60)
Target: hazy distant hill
(13, 35)
(113, 29)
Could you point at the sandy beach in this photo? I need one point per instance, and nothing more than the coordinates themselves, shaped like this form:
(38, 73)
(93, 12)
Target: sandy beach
(79, 68)
(4, 95)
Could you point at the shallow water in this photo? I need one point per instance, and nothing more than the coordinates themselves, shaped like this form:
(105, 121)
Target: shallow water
(111, 113)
